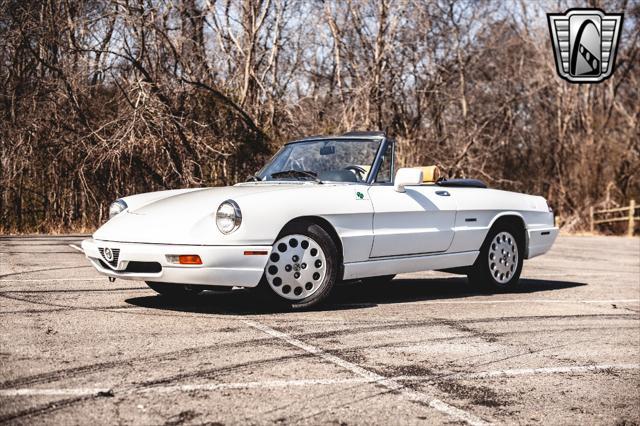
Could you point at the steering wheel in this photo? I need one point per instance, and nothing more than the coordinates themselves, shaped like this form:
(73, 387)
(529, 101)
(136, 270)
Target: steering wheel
(360, 172)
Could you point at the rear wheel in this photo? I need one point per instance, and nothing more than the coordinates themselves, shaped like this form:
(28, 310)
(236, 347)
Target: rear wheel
(175, 290)
(499, 263)
(302, 267)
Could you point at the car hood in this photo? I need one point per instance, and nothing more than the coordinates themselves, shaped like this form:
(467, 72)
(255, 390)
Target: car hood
(178, 217)
(199, 201)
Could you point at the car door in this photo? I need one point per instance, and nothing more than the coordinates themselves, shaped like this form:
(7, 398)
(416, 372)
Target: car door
(418, 221)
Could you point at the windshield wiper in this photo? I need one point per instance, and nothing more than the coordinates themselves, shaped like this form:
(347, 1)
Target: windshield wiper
(296, 173)
(253, 178)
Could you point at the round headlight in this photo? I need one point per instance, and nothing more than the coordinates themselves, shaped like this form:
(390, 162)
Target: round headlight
(116, 207)
(228, 217)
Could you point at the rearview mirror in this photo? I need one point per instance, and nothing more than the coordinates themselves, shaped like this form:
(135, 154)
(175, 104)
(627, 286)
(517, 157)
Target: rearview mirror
(407, 177)
(328, 150)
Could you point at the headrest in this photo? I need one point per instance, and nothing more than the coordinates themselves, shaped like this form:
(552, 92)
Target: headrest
(430, 174)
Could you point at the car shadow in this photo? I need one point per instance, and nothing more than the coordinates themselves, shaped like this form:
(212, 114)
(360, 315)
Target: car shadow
(353, 295)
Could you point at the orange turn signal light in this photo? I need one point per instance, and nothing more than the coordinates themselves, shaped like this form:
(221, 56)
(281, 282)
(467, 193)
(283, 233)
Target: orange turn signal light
(189, 259)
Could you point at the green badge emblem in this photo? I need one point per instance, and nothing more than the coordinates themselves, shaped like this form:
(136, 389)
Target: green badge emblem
(360, 195)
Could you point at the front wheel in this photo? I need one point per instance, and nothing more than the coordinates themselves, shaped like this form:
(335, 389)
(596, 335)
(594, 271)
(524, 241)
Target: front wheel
(174, 290)
(499, 263)
(302, 267)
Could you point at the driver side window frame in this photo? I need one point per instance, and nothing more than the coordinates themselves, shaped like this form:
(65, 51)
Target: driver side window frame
(377, 164)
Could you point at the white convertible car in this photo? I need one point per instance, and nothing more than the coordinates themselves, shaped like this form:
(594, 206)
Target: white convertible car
(323, 210)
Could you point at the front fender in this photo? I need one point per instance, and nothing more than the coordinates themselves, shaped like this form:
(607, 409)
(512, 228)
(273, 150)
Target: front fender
(189, 219)
(140, 200)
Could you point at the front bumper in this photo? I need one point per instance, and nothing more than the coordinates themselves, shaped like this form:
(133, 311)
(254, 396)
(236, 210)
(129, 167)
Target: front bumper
(221, 265)
(540, 240)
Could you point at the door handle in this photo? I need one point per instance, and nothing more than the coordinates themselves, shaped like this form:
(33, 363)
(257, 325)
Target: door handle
(443, 193)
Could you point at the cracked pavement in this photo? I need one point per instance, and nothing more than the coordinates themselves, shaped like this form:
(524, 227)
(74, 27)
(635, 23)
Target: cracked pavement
(564, 348)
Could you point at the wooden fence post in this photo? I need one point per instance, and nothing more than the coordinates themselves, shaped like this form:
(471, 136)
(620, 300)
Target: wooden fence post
(632, 210)
(591, 219)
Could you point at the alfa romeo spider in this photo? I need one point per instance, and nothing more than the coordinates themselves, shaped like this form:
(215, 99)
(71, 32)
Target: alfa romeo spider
(321, 211)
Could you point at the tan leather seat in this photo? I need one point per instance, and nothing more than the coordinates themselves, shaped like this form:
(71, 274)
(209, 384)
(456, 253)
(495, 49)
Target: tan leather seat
(430, 174)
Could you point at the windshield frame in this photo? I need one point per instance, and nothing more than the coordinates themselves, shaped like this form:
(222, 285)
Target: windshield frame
(375, 165)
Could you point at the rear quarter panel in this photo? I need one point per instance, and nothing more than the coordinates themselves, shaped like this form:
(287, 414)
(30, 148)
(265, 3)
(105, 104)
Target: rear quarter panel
(479, 208)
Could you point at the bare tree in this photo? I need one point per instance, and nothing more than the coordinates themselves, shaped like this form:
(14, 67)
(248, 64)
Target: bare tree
(104, 98)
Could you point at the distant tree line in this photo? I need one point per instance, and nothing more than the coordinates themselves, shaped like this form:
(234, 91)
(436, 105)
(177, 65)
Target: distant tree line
(105, 98)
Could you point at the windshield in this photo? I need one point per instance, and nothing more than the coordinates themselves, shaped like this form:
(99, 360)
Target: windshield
(323, 160)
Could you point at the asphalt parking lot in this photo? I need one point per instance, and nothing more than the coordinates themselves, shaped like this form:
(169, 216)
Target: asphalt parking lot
(563, 349)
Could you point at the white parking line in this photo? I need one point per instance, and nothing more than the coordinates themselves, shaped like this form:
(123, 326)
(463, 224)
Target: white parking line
(534, 274)
(389, 383)
(356, 380)
(274, 384)
(253, 385)
(491, 302)
(53, 392)
(545, 370)
(53, 279)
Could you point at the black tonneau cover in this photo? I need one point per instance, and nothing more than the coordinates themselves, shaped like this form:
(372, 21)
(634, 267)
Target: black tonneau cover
(462, 183)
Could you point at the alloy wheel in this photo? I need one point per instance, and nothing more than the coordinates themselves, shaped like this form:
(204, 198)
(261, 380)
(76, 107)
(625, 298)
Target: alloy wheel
(296, 267)
(503, 257)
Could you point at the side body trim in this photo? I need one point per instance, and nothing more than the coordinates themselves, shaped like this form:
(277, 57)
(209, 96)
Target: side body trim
(390, 266)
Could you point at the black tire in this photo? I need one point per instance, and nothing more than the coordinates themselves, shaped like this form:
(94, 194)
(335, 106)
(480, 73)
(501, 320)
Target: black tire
(322, 289)
(497, 274)
(379, 280)
(174, 290)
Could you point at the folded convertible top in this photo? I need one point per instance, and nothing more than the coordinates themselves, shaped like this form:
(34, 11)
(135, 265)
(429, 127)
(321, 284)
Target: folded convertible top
(462, 183)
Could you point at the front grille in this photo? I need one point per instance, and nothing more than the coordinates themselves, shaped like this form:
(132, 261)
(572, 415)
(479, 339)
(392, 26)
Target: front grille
(144, 267)
(116, 255)
(137, 267)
